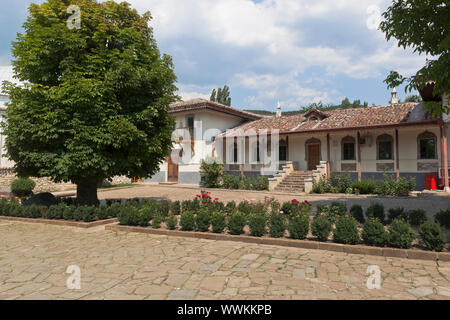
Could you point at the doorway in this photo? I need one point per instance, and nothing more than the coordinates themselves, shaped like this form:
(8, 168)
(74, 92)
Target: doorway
(313, 155)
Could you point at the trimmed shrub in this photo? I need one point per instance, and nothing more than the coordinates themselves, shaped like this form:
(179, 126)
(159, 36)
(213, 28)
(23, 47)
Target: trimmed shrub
(187, 221)
(432, 236)
(236, 223)
(298, 226)
(176, 208)
(321, 227)
(203, 220)
(443, 218)
(156, 221)
(56, 211)
(417, 217)
(101, 212)
(277, 225)
(22, 187)
(114, 210)
(400, 234)
(32, 211)
(397, 213)
(218, 222)
(131, 216)
(172, 222)
(376, 210)
(336, 210)
(356, 212)
(373, 233)
(68, 212)
(346, 230)
(84, 213)
(257, 224)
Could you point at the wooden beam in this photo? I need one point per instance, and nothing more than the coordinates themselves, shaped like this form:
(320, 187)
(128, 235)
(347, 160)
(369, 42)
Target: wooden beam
(397, 157)
(328, 155)
(358, 148)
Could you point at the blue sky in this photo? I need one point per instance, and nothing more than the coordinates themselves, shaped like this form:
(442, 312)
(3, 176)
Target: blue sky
(292, 51)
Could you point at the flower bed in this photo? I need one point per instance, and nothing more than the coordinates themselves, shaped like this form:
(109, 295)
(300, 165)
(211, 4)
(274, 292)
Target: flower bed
(290, 220)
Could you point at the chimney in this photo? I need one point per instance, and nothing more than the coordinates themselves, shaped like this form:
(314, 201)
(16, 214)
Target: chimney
(394, 98)
(278, 114)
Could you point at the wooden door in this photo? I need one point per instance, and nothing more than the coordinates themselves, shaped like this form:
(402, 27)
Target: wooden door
(313, 156)
(172, 171)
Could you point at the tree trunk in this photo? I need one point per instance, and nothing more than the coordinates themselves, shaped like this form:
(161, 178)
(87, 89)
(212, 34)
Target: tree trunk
(87, 193)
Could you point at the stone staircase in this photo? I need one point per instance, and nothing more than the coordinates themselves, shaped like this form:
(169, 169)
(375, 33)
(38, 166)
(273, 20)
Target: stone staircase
(294, 182)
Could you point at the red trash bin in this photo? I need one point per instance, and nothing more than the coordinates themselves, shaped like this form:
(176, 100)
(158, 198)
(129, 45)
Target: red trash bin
(431, 181)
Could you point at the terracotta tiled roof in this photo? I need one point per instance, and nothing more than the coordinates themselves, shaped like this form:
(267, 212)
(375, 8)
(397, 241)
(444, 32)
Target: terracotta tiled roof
(402, 113)
(197, 104)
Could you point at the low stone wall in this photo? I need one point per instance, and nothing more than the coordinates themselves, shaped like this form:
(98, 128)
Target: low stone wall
(7, 175)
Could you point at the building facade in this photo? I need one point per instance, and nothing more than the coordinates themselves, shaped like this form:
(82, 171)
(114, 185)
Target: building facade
(401, 139)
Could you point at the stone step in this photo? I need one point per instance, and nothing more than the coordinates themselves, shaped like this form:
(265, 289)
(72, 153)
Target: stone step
(287, 183)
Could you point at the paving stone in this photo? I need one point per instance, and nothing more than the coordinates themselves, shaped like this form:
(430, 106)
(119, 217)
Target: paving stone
(182, 294)
(118, 265)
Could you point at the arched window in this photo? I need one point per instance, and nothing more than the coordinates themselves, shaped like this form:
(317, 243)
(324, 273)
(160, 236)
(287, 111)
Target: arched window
(385, 147)
(348, 148)
(427, 146)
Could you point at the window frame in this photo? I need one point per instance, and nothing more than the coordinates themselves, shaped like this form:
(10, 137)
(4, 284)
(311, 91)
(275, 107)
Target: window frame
(385, 138)
(427, 135)
(348, 140)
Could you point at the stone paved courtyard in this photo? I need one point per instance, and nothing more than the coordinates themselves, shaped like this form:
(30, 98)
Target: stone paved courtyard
(34, 259)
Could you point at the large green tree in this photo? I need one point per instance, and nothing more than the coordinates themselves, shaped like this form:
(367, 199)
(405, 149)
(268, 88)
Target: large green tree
(95, 99)
(423, 25)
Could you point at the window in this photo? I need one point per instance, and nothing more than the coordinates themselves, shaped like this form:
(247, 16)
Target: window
(348, 148)
(235, 153)
(190, 122)
(385, 147)
(427, 146)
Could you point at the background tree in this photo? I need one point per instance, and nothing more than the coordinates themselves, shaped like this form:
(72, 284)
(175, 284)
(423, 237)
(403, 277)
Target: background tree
(221, 96)
(423, 25)
(413, 98)
(95, 100)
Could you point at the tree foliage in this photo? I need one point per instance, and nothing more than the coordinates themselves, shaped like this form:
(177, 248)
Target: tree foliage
(221, 96)
(95, 100)
(423, 25)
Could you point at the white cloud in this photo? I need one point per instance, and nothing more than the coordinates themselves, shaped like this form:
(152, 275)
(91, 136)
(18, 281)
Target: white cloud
(287, 39)
(284, 88)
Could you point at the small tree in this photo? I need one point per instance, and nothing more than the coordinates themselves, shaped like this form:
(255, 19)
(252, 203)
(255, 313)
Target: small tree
(210, 171)
(96, 98)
